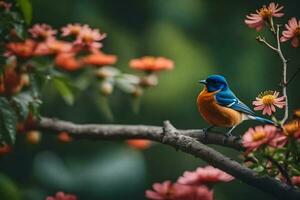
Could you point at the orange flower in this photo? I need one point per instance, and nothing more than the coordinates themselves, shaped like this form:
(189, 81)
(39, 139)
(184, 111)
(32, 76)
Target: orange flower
(148, 63)
(43, 31)
(99, 59)
(67, 61)
(5, 149)
(23, 49)
(51, 46)
(139, 144)
(64, 137)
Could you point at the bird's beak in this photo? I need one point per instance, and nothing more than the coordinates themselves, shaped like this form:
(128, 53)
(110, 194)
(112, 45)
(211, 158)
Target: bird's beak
(203, 82)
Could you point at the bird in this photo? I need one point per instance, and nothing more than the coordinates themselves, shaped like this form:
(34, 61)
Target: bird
(220, 107)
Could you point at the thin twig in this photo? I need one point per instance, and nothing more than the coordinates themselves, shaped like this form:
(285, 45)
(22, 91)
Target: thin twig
(284, 68)
(281, 169)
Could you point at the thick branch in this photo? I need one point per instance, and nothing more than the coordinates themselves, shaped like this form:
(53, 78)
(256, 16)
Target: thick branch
(179, 139)
(121, 132)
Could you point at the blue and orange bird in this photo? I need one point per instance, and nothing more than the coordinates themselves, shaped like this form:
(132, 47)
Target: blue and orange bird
(219, 106)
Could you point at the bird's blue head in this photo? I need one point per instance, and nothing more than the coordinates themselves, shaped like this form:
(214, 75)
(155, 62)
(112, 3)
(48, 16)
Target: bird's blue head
(214, 83)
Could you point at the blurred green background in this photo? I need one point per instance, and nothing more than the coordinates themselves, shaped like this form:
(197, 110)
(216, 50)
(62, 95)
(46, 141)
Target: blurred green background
(202, 37)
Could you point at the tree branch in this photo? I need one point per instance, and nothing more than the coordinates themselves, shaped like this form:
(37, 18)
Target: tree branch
(179, 139)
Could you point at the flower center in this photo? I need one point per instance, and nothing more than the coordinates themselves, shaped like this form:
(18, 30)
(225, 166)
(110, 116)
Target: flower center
(265, 13)
(297, 31)
(268, 99)
(258, 135)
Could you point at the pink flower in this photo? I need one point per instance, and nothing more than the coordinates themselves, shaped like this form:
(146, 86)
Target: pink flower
(90, 38)
(43, 31)
(5, 5)
(205, 175)
(292, 32)
(62, 196)
(267, 101)
(73, 29)
(279, 140)
(175, 191)
(255, 137)
(264, 14)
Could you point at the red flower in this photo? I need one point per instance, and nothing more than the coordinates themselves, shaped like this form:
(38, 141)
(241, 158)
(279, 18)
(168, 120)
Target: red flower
(205, 175)
(296, 180)
(264, 14)
(139, 144)
(5, 149)
(62, 196)
(148, 63)
(170, 191)
(23, 49)
(99, 59)
(67, 61)
(292, 32)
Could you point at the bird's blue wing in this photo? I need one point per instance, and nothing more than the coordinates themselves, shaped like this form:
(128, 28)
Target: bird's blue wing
(228, 99)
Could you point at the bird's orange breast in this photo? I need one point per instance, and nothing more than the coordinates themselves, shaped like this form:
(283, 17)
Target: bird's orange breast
(214, 113)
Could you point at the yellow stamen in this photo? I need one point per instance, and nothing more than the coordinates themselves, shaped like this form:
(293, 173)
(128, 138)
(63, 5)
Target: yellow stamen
(268, 99)
(258, 135)
(265, 13)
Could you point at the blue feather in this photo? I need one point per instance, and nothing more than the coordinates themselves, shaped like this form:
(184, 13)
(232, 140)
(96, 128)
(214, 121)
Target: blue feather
(227, 98)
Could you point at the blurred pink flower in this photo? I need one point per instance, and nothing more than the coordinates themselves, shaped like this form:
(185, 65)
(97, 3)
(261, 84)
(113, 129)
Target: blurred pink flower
(205, 175)
(43, 31)
(5, 5)
(296, 180)
(267, 101)
(72, 29)
(255, 137)
(292, 32)
(279, 140)
(62, 196)
(175, 191)
(257, 20)
(90, 38)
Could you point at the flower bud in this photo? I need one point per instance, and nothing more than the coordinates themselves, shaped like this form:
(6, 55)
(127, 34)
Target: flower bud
(150, 80)
(106, 88)
(64, 137)
(33, 137)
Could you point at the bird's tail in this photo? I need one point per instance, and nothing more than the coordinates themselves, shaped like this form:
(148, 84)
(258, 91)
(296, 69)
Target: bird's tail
(261, 119)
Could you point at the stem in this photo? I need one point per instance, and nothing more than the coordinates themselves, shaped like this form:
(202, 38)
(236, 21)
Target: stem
(284, 61)
(284, 75)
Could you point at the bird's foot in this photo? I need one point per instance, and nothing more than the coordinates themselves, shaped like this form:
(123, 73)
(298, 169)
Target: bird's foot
(206, 130)
(226, 136)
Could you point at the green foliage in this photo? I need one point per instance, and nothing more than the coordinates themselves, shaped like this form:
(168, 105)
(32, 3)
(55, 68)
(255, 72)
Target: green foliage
(8, 190)
(65, 88)
(8, 122)
(26, 8)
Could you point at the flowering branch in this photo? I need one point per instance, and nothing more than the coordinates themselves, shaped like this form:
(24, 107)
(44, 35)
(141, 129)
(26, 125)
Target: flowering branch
(284, 61)
(179, 139)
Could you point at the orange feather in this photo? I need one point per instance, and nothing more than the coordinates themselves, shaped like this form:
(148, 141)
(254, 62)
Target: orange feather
(216, 114)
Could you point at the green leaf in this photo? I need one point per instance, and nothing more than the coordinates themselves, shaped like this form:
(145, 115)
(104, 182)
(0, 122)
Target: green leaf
(26, 9)
(8, 121)
(65, 88)
(25, 103)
